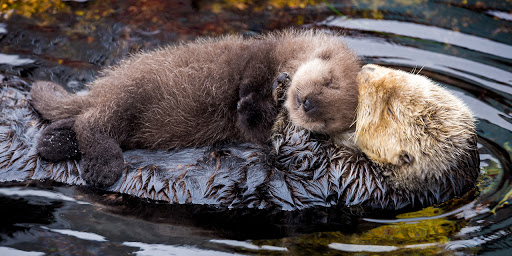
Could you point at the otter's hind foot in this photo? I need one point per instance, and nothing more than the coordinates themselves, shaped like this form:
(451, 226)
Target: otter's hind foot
(102, 161)
(58, 142)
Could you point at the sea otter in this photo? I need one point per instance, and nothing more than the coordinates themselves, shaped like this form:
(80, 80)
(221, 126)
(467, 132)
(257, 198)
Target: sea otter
(414, 144)
(418, 132)
(197, 94)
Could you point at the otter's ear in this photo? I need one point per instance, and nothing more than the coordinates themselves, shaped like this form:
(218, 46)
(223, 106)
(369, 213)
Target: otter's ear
(325, 55)
(431, 123)
(405, 158)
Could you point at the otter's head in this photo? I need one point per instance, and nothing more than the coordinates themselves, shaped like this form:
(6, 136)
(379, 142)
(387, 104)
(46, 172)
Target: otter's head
(412, 126)
(322, 96)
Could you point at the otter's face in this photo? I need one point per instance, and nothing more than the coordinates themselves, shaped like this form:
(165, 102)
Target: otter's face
(407, 122)
(323, 96)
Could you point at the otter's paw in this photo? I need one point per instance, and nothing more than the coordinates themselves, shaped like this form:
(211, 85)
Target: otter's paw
(283, 79)
(58, 142)
(279, 87)
(102, 162)
(255, 117)
(249, 114)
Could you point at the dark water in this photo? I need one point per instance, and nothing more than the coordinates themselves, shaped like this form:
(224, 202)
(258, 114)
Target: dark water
(464, 45)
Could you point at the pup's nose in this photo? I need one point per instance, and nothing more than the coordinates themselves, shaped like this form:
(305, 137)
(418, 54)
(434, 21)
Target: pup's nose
(308, 105)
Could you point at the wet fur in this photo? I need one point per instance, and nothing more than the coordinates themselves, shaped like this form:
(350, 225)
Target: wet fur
(417, 131)
(196, 94)
(58, 141)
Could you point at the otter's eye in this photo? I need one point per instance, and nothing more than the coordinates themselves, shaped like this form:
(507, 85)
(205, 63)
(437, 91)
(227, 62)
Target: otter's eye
(325, 55)
(329, 83)
(405, 158)
(390, 111)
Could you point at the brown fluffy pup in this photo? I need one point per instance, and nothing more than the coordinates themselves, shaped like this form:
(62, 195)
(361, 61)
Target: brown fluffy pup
(200, 93)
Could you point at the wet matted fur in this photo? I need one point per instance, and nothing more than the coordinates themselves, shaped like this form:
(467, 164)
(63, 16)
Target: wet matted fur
(419, 133)
(202, 93)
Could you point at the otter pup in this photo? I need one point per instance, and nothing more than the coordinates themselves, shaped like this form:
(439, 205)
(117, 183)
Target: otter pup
(196, 94)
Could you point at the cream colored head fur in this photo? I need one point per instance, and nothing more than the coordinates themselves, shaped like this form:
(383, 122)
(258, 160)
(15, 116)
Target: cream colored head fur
(411, 125)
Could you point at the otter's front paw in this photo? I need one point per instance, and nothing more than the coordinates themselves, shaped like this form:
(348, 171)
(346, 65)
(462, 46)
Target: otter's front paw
(255, 117)
(249, 112)
(282, 80)
(279, 88)
(58, 142)
(102, 162)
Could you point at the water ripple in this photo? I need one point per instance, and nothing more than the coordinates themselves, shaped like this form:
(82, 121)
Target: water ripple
(487, 76)
(424, 32)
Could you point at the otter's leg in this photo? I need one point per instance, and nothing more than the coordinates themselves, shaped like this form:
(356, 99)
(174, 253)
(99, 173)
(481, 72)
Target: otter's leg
(102, 157)
(58, 141)
(282, 120)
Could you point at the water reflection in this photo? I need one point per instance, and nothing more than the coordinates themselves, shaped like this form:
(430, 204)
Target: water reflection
(376, 248)
(424, 32)
(78, 234)
(467, 211)
(248, 245)
(162, 249)
(19, 192)
(14, 60)
(11, 251)
(500, 15)
(384, 52)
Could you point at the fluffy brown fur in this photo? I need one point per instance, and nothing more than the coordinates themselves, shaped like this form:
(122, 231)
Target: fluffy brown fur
(321, 96)
(200, 93)
(416, 130)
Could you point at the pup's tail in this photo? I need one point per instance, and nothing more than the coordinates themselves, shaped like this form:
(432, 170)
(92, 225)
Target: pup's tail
(54, 103)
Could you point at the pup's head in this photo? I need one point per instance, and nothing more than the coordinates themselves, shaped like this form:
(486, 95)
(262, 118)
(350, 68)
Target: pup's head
(323, 93)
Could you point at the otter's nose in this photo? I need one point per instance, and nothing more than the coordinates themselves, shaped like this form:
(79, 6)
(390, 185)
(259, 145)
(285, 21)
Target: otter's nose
(308, 105)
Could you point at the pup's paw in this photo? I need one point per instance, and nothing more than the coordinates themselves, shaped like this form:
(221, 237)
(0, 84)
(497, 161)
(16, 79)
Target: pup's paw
(282, 79)
(101, 174)
(58, 142)
(279, 88)
(102, 162)
(255, 118)
(249, 114)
